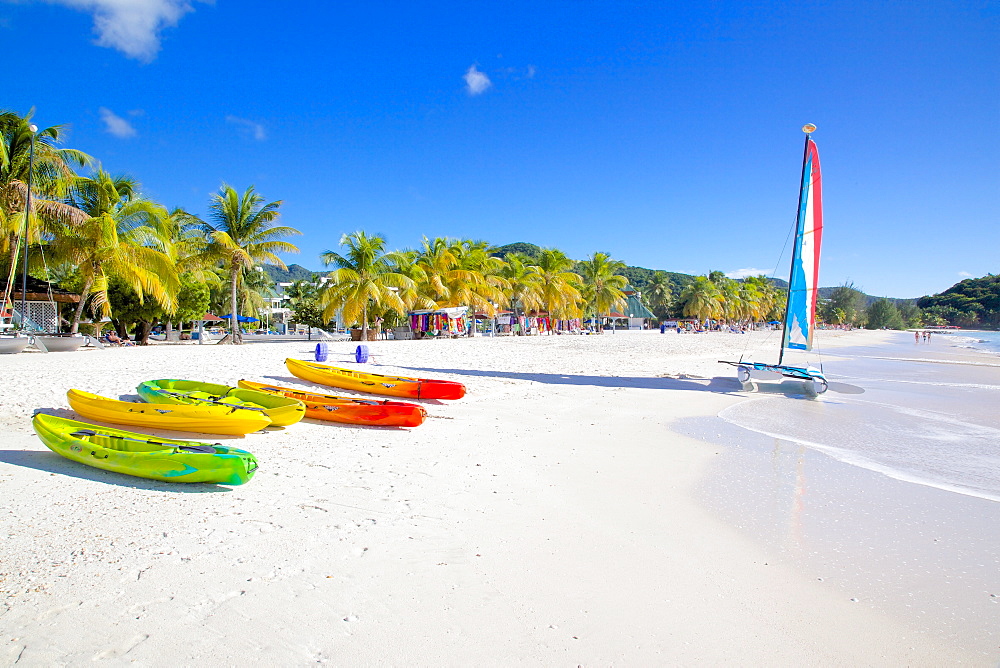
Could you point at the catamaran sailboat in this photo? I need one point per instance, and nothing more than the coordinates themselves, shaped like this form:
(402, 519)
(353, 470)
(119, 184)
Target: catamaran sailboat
(800, 308)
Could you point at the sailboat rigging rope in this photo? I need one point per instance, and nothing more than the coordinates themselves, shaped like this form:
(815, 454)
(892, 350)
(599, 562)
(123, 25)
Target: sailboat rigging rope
(774, 272)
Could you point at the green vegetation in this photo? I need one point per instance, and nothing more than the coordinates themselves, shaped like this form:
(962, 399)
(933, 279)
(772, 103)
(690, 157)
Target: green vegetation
(127, 256)
(289, 274)
(846, 305)
(883, 314)
(520, 248)
(974, 302)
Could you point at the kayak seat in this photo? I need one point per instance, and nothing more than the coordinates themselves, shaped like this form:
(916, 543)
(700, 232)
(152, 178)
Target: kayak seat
(205, 449)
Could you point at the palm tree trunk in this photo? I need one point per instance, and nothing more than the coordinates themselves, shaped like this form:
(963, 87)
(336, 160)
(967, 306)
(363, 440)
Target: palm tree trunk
(78, 313)
(12, 245)
(364, 322)
(236, 337)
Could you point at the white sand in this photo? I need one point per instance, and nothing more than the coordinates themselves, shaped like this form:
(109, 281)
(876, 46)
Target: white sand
(547, 518)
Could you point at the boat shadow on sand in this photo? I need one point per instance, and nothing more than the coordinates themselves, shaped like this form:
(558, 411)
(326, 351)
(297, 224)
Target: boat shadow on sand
(50, 462)
(716, 384)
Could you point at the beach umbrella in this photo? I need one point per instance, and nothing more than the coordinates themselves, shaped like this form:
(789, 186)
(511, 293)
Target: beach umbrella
(241, 318)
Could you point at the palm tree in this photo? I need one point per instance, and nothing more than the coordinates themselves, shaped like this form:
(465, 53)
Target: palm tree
(484, 289)
(658, 292)
(732, 302)
(405, 262)
(121, 235)
(51, 174)
(437, 260)
(365, 276)
(256, 287)
(241, 234)
(461, 273)
(301, 291)
(524, 283)
(750, 300)
(603, 286)
(560, 287)
(702, 299)
(185, 244)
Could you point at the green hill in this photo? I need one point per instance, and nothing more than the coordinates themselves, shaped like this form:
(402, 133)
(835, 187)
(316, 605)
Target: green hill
(531, 250)
(974, 302)
(294, 273)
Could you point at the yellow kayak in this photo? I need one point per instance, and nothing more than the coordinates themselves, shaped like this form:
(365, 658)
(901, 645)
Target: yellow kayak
(395, 386)
(282, 410)
(205, 418)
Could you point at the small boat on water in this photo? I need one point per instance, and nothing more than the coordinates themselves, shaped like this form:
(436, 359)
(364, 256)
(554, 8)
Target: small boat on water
(143, 455)
(202, 418)
(394, 386)
(281, 410)
(349, 410)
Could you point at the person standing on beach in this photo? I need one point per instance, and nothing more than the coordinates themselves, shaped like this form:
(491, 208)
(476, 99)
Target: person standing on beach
(916, 336)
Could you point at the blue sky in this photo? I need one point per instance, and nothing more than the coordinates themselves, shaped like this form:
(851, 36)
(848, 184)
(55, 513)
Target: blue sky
(667, 134)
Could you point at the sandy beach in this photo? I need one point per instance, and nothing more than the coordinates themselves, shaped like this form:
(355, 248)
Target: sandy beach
(584, 504)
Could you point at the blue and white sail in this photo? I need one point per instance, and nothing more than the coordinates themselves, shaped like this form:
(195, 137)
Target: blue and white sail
(803, 284)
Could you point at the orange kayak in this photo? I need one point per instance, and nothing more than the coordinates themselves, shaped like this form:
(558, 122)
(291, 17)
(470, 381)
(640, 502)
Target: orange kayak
(384, 413)
(395, 386)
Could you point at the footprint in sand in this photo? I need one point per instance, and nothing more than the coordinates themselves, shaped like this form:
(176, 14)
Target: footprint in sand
(125, 648)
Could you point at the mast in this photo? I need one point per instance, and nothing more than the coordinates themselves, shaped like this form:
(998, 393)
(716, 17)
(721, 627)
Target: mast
(27, 212)
(808, 128)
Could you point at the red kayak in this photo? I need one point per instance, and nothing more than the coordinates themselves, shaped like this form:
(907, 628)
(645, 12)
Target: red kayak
(349, 410)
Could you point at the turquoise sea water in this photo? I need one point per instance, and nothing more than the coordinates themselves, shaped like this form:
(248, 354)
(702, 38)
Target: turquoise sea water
(978, 340)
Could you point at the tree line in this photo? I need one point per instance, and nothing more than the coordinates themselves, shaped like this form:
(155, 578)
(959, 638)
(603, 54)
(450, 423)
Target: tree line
(138, 263)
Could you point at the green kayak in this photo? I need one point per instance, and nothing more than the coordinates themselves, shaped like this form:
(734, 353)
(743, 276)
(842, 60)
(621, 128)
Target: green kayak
(143, 455)
(282, 410)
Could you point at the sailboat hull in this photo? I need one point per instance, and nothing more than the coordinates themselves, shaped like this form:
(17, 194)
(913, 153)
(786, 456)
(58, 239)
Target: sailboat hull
(13, 344)
(747, 370)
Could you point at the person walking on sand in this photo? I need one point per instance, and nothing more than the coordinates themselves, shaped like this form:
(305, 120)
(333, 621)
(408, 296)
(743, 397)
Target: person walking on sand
(916, 336)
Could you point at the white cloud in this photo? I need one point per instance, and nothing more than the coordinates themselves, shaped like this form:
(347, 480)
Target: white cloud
(749, 271)
(255, 130)
(965, 274)
(116, 125)
(131, 26)
(475, 81)
(530, 73)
